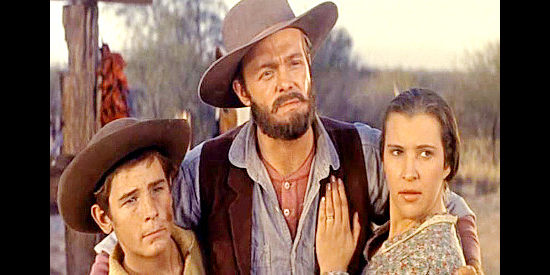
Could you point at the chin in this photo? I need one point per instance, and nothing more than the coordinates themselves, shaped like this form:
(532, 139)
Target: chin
(156, 247)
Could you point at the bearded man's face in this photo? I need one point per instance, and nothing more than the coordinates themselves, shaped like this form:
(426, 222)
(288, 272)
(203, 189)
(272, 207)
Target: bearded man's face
(276, 85)
(294, 125)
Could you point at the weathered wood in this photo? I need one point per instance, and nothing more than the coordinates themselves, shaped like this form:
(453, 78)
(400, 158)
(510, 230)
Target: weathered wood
(78, 99)
(57, 166)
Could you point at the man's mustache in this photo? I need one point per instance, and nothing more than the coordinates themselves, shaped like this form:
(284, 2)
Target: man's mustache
(286, 97)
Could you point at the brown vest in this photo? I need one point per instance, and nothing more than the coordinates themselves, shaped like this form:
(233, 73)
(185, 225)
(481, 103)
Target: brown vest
(226, 191)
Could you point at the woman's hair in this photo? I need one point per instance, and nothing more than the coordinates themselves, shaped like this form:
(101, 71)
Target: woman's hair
(423, 101)
(132, 159)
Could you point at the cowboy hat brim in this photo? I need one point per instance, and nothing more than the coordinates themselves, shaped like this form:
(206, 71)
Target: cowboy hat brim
(79, 179)
(215, 86)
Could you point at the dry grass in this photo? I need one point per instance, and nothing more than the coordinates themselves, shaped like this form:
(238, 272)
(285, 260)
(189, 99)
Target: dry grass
(476, 160)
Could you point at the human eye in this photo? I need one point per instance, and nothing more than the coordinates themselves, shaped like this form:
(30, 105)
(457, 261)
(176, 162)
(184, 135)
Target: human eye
(129, 201)
(396, 152)
(426, 153)
(267, 74)
(295, 62)
(158, 188)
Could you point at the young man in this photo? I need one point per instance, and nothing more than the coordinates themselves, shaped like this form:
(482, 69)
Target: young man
(122, 184)
(252, 194)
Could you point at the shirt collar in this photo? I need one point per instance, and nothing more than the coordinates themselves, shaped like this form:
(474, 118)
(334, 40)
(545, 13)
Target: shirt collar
(184, 239)
(243, 154)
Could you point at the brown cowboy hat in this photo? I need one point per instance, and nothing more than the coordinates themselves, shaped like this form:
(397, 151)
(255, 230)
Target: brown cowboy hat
(110, 144)
(248, 22)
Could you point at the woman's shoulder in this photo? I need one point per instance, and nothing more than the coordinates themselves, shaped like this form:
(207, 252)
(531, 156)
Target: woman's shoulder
(438, 243)
(432, 245)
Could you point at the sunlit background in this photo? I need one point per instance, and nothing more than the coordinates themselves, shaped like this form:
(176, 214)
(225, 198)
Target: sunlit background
(420, 34)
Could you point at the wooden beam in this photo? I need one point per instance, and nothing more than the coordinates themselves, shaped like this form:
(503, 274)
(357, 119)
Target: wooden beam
(78, 94)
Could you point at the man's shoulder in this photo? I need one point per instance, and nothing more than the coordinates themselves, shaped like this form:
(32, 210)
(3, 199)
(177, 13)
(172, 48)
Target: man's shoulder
(193, 155)
(369, 135)
(214, 145)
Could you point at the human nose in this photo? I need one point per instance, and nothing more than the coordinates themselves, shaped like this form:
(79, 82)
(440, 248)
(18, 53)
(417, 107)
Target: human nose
(409, 171)
(149, 208)
(285, 83)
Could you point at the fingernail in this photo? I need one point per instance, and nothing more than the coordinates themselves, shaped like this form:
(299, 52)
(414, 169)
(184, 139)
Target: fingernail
(329, 186)
(322, 199)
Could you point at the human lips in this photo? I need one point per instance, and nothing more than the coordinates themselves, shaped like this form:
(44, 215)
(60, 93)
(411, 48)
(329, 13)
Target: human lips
(154, 233)
(289, 102)
(410, 195)
(288, 99)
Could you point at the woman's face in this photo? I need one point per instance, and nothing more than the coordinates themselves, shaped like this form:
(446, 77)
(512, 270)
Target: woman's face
(414, 165)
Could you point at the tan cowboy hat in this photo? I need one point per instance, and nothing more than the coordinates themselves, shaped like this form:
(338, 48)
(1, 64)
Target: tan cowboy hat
(110, 144)
(248, 22)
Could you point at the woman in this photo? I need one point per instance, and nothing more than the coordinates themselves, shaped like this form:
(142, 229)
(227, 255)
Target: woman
(419, 150)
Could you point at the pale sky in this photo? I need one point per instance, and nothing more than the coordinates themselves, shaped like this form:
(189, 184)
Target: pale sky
(408, 34)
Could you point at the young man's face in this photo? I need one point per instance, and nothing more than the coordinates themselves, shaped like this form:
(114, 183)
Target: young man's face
(140, 205)
(414, 164)
(278, 84)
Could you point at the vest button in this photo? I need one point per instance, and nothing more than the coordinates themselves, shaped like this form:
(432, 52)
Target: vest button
(287, 185)
(286, 212)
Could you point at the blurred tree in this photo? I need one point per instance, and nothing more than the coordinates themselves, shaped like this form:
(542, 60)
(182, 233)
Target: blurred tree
(338, 77)
(480, 91)
(172, 43)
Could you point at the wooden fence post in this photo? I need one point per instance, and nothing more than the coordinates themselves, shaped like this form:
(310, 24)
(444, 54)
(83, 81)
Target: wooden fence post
(79, 105)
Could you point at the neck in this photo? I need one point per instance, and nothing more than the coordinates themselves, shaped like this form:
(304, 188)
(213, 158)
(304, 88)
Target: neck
(400, 223)
(167, 262)
(285, 156)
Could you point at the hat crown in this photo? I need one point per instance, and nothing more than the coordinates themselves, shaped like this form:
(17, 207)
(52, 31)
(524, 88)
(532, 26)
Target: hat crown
(112, 127)
(248, 18)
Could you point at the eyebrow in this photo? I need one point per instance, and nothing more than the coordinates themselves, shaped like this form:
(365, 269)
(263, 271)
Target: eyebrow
(421, 146)
(271, 64)
(128, 194)
(295, 55)
(268, 64)
(393, 146)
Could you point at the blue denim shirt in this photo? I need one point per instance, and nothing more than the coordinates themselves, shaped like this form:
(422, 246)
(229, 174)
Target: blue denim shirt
(272, 249)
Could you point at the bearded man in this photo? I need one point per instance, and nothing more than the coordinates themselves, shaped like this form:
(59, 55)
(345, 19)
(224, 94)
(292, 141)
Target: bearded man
(252, 194)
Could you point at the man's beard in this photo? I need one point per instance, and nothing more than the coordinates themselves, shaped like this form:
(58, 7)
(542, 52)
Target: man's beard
(296, 125)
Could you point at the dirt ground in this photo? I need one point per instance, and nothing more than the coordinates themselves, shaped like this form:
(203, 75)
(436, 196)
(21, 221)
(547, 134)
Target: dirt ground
(487, 209)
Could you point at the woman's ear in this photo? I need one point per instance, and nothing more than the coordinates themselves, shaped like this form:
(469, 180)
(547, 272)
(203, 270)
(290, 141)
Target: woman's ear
(446, 171)
(102, 219)
(240, 89)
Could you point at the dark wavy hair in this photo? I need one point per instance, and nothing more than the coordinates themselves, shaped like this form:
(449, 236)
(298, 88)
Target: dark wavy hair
(424, 101)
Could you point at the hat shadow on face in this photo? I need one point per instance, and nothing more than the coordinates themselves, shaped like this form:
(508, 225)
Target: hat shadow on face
(109, 145)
